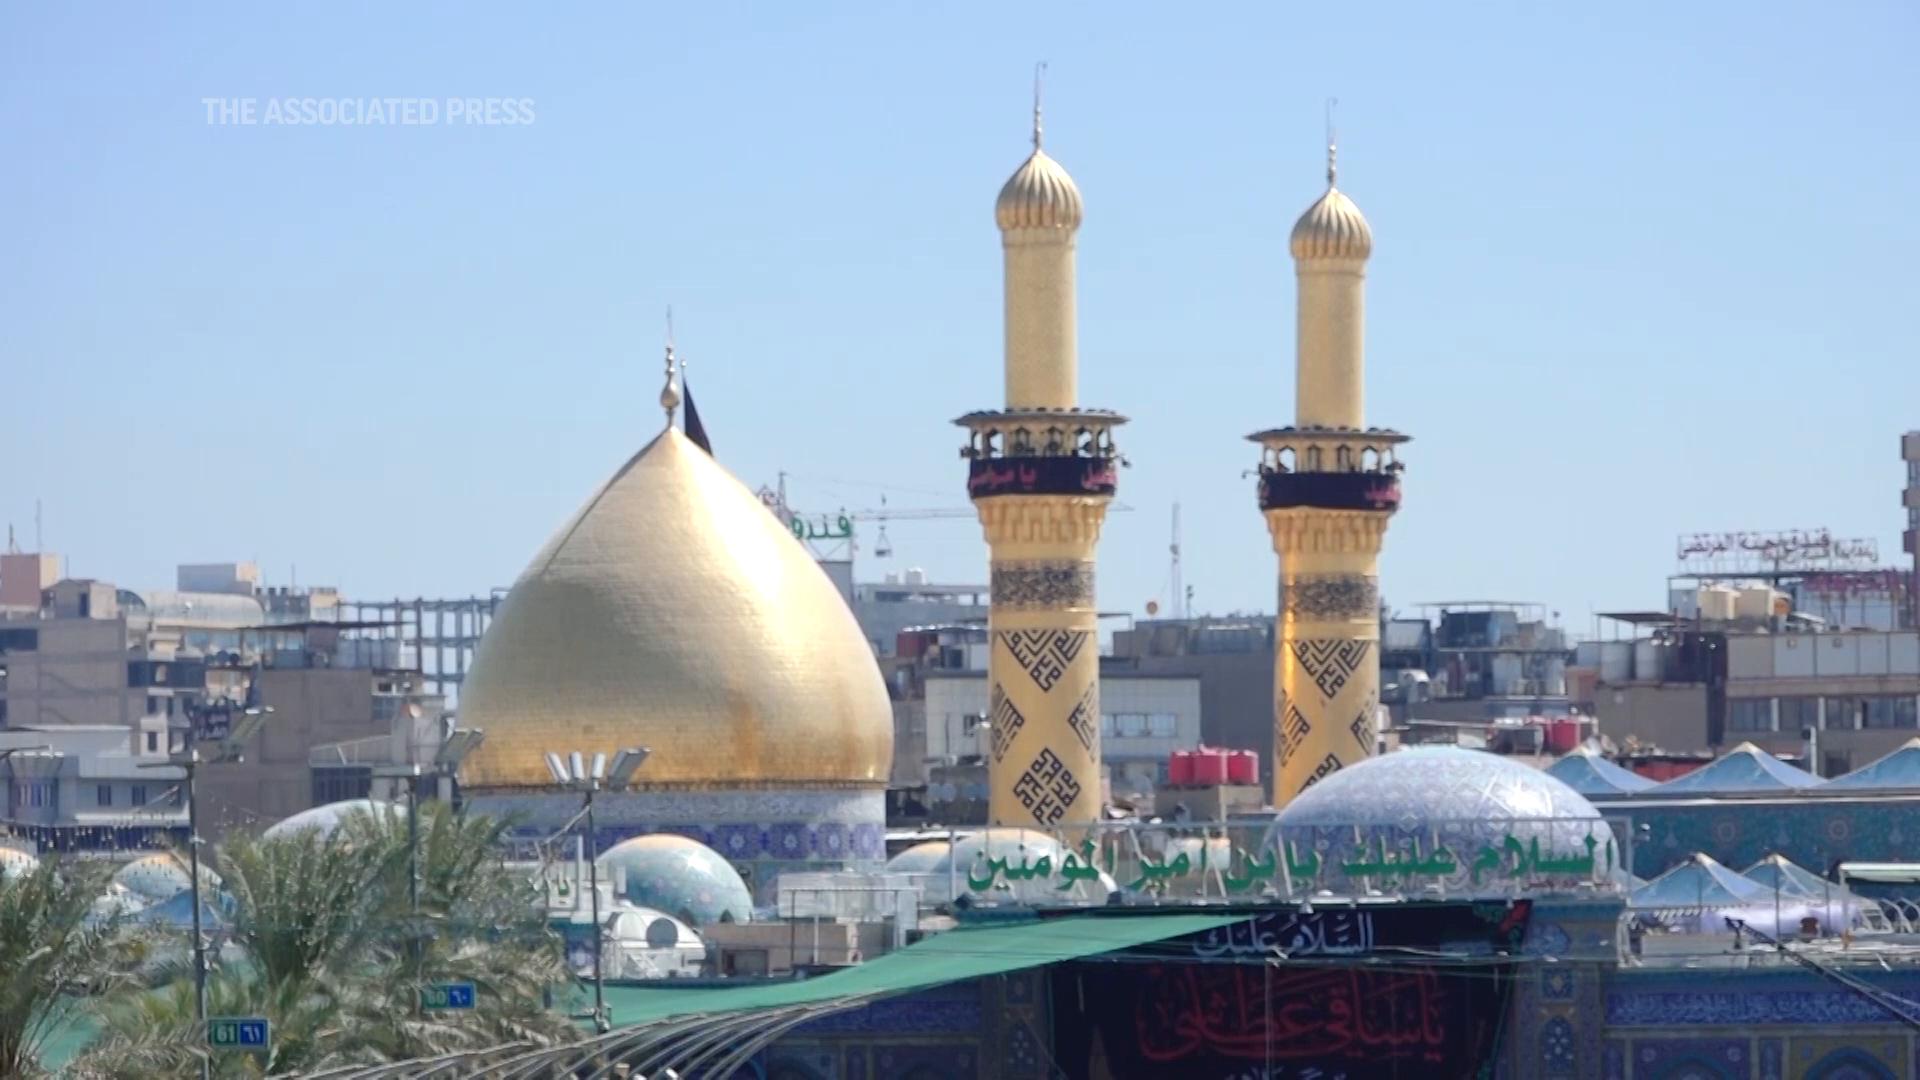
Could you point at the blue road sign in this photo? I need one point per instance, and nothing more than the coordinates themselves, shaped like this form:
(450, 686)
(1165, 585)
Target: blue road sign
(239, 1032)
(458, 995)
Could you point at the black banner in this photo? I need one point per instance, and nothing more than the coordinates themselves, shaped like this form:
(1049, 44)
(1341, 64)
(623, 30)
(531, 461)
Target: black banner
(1401, 991)
(1035, 475)
(1330, 491)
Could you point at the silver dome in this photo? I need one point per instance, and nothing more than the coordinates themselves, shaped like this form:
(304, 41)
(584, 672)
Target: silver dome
(1445, 805)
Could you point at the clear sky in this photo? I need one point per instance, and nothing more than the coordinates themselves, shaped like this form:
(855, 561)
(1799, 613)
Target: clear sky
(1640, 269)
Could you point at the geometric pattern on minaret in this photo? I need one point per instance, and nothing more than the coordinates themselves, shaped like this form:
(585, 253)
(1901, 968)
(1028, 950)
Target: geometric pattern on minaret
(1041, 472)
(1328, 485)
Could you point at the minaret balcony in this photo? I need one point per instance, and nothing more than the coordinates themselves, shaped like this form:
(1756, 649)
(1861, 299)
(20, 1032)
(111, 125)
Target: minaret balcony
(1041, 452)
(1330, 468)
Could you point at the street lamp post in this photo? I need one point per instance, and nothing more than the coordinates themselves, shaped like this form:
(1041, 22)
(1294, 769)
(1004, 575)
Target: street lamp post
(231, 748)
(446, 762)
(574, 771)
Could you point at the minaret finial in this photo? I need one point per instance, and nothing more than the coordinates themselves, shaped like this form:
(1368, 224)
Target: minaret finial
(1039, 80)
(670, 393)
(1332, 142)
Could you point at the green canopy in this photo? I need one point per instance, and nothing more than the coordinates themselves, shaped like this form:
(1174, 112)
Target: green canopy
(966, 953)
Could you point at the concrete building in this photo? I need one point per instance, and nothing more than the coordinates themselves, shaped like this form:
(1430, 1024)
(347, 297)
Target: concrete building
(1143, 719)
(1910, 537)
(903, 601)
(163, 666)
(85, 787)
(1230, 660)
(92, 654)
(1688, 687)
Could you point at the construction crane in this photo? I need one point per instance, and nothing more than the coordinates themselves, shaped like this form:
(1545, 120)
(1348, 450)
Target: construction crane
(809, 528)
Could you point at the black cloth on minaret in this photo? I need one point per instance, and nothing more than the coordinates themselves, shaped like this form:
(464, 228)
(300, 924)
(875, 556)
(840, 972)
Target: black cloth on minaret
(696, 430)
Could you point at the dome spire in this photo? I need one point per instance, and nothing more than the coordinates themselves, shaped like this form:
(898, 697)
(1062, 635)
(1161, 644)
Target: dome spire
(670, 393)
(1039, 77)
(1332, 141)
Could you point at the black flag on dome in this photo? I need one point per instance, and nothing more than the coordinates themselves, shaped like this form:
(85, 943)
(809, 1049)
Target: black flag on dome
(696, 430)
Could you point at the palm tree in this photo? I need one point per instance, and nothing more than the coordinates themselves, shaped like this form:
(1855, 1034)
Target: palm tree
(329, 950)
(55, 949)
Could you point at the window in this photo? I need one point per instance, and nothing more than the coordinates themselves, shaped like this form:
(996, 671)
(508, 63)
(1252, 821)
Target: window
(1130, 724)
(1889, 712)
(1750, 715)
(1106, 723)
(138, 796)
(104, 795)
(153, 705)
(1799, 714)
(36, 794)
(1844, 713)
(1162, 724)
(153, 742)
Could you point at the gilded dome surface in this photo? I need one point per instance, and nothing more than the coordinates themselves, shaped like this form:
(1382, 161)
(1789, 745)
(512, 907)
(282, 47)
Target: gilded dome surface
(1039, 195)
(675, 612)
(1332, 228)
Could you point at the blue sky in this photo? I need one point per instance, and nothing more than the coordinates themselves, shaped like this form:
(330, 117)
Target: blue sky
(1640, 269)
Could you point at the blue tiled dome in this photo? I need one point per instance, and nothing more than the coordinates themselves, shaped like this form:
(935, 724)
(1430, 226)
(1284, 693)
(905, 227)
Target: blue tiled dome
(682, 877)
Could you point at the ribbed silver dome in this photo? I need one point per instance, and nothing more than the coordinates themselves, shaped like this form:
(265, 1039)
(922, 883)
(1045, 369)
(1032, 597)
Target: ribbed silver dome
(1332, 228)
(1039, 195)
(1427, 785)
(1463, 802)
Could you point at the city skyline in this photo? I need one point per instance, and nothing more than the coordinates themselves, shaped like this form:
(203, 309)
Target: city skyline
(1620, 293)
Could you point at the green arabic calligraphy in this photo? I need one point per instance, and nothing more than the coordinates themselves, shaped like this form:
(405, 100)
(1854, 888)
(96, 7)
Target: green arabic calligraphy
(1246, 871)
(839, 528)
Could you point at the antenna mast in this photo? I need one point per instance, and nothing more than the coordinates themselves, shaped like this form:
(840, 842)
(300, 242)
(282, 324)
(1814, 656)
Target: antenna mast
(1179, 593)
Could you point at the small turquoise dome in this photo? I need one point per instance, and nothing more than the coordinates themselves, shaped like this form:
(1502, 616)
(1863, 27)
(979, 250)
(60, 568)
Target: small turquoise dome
(163, 876)
(682, 877)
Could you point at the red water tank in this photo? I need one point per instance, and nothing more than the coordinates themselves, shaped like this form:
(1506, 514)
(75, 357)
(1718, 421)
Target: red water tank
(1180, 768)
(1243, 767)
(1563, 734)
(1209, 766)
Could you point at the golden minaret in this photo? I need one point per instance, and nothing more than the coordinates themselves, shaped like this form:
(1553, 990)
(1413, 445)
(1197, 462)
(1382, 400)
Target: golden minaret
(1328, 485)
(1041, 472)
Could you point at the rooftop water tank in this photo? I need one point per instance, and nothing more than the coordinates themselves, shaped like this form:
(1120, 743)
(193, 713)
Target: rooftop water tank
(1649, 660)
(1754, 602)
(1718, 603)
(1616, 662)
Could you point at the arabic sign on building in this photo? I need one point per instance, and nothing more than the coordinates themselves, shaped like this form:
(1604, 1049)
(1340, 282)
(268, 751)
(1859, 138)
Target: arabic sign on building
(1523, 857)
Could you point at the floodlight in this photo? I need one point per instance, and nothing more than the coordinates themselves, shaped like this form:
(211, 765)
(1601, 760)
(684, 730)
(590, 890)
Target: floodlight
(558, 768)
(626, 762)
(242, 730)
(579, 770)
(599, 765)
(460, 743)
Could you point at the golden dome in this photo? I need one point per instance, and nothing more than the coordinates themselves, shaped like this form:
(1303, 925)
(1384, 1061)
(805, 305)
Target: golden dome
(1332, 228)
(675, 612)
(1039, 195)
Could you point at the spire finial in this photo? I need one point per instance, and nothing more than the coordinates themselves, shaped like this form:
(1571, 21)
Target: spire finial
(1039, 81)
(1332, 142)
(670, 393)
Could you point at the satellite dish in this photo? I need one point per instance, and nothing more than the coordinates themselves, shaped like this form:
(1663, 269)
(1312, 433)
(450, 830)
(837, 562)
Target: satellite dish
(662, 934)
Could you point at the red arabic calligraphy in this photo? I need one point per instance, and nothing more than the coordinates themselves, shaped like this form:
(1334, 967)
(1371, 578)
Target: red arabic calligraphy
(1262, 1014)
